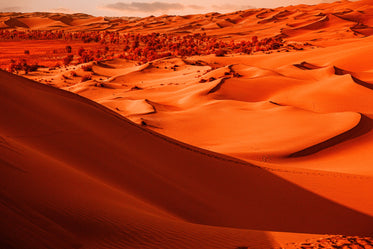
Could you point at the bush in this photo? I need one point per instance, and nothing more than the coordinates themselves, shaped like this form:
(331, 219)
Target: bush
(33, 67)
(68, 59)
(22, 65)
(12, 68)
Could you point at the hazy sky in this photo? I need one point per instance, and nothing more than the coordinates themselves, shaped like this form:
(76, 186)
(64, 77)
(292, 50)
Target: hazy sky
(143, 7)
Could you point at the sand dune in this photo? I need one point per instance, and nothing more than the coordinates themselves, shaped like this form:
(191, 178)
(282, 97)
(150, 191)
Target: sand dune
(13, 23)
(336, 21)
(252, 106)
(41, 23)
(106, 193)
(264, 150)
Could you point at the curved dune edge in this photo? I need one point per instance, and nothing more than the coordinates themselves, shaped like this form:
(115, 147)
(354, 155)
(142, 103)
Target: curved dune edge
(364, 126)
(71, 189)
(252, 130)
(340, 71)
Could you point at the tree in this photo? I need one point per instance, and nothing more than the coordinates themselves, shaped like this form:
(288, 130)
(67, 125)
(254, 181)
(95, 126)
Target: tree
(254, 39)
(81, 51)
(68, 49)
(220, 52)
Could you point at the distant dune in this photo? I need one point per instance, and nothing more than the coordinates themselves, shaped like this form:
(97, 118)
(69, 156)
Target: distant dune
(261, 150)
(336, 20)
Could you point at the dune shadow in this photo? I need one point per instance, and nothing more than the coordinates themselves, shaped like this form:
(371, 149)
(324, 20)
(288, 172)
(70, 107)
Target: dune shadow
(364, 126)
(340, 71)
(306, 66)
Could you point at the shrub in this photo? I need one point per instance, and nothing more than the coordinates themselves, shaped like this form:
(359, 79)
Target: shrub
(33, 67)
(68, 59)
(12, 68)
(21, 65)
(27, 52)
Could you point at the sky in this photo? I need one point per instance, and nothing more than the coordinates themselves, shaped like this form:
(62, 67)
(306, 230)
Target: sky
(142, 8)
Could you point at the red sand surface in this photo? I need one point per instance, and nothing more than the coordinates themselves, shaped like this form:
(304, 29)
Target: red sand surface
(259, 150)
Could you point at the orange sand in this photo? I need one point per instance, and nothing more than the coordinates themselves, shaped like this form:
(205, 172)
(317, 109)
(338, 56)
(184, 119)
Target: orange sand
(273, 150)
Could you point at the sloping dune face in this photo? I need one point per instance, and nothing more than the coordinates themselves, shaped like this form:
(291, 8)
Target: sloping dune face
(76, 175)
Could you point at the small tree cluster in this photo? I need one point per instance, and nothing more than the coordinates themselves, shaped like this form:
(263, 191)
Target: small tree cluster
(137, 47)
(21, 65)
